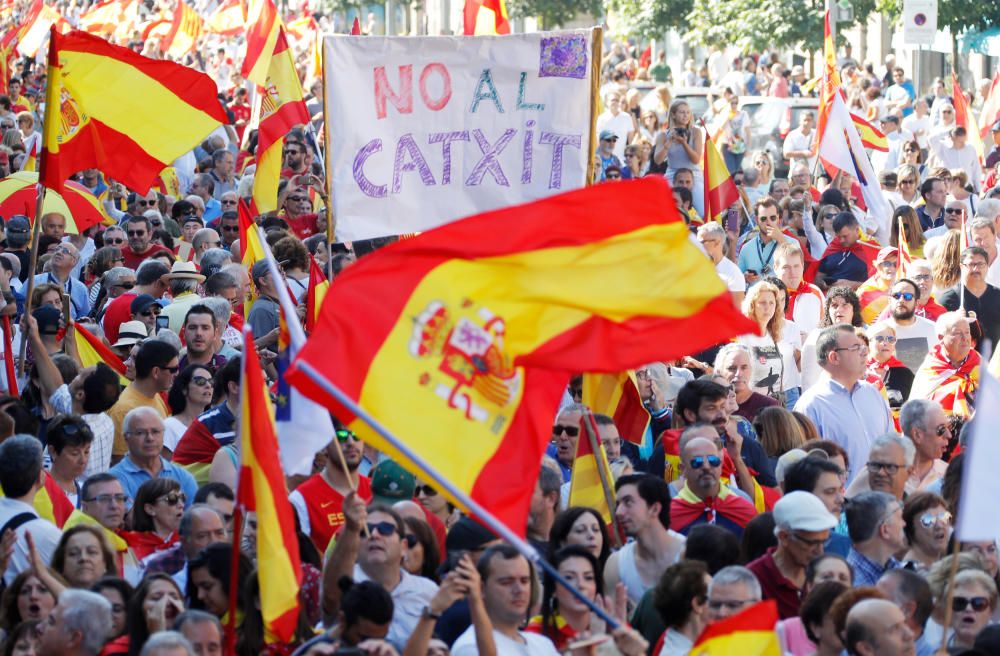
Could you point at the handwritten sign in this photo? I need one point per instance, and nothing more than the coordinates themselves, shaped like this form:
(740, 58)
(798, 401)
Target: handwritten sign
(425, 130)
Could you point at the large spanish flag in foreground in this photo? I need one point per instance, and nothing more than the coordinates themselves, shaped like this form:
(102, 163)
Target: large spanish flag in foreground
(472, 329)
(128, 115)
(262, 489)
(748, 633)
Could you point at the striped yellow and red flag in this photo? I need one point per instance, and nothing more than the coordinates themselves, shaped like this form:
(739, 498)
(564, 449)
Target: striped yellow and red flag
(128, 115)
(965, 118)
(748, 633)
(262, 489)
(91, 351)
(990, 112)
(33, 34)
(185, 29)
(229, 19)
(485, 17)
(903, 246)
(871, 136)
(315, 293)
(720, 190)
(585, 487)
(262, 29)
(250, 247)
(831, 83)
(103, 18)
(282, 107)
(473, 329)
(617, 396)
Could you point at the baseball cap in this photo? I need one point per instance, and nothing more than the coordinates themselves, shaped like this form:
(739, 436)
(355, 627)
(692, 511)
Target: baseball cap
(18, 224)
(141, 302)
(392, 483)
(802, 511)
(886, 253)
(608, 134)
(467, 535)
(259, 270)
(48, 319)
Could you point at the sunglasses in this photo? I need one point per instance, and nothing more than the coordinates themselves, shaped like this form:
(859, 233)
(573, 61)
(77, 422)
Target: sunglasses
(150, 313)
(572, 431)
(425, 490)
(344, 435)
(234, 228)
(699, 461)
(906, 296)
(136, 233)
(979, 604)
(885, 339)
(229, 202)
(174, 498)
(118, 240)
(907, 182)
(201, 381)
(928, 519)
(411, 540)
(145, 203)
(172, 370)
(385, 529)
(953, 210)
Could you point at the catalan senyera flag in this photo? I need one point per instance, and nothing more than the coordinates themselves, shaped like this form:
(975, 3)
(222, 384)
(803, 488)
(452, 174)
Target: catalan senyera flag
(485, 17)
(474, 328)
(229, 19)
(93, 351)
(315, 293)
(282, 107)
(720, 190)
(262, 489)
(871, 137)
(990, 113)
(748, 633)
(128, 115)
(831, 83)
(585, 487)
(965, 118)
(186, 27)
(617, 396)
(103, 18)
(263, 24)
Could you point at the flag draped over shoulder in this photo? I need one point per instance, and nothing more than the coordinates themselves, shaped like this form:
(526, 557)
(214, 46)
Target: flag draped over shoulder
(472, 329)
(585, 487)
(485, 17)
(262, 489)
(720, 190)
(282, 108)
(128, 115)
(953, 387)
(748, 633)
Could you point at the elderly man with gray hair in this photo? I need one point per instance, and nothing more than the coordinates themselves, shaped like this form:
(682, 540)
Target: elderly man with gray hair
(143, 431)
(167, 643)
(79, 625)
(714, 240)
(875, 525)
(732, 589)
(888, 468)
(925, 423)
(21, 477)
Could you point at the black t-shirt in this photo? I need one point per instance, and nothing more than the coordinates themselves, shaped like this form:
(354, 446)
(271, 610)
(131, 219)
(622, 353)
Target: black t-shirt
(986, 307)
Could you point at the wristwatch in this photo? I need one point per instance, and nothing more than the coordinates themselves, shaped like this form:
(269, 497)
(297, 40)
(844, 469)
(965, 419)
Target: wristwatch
(427, 613)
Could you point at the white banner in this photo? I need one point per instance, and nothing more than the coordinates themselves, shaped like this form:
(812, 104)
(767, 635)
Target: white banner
(425, 130)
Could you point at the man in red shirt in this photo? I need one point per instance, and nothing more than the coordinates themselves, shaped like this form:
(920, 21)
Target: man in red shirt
(319, 501)
(147, 281)
(140, 247)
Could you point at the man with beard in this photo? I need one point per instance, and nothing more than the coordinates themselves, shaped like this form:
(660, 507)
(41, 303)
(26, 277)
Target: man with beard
(978, 295)
(642, 509)
(140, 247)
(319, 501)
(758, 253)
(704, 499)
(201, 336)
(914, 334)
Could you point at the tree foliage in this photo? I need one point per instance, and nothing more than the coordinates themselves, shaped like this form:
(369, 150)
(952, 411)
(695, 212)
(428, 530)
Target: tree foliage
(755, 25)
(958, 15)
(649, 19)
(553, 13)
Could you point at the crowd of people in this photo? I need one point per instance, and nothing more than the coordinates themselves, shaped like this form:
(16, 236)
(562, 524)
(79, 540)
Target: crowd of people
(817, 463)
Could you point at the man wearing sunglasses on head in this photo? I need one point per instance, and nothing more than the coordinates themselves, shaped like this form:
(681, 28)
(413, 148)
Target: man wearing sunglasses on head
(319, 501)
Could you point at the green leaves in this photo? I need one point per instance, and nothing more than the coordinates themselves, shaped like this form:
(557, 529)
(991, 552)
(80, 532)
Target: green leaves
(554, 13)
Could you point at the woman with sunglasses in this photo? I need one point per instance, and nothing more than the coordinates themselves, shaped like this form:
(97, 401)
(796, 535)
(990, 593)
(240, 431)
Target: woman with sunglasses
(819, 228)
(885, 371)
(423, 555)
(908, 183)
(972, 602)
(156, 516)
(436, 503)
(189, 396)
(927, 527)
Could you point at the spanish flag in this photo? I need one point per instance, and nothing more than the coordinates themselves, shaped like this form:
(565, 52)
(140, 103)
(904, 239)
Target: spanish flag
(871, 136)
(92, 351)
(282, 107)
(472, 329)
(262, 489)
(102, 18)
(617, 396)
(250, 247)
(185, 29)
(585, 487)
(262, 28)
(903, 247)
(748, 633)
(315, 293)
(485, 17)
(229, 19)
(831, 83)
(128, 115)
(720, 190)
(965, 118)
(990, 112)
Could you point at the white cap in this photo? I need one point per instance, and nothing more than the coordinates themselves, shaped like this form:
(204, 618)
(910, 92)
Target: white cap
(802, 511)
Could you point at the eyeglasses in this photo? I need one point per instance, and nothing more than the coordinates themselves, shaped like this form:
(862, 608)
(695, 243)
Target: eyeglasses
(201, 381)
(732, 606)
(929, 519)
(942, 429)
(922, 277)
(571, 431)
(146, 433)
(974, 265)
(425, 490)
(174, 498)
(229, 202)
(953, 210)
(857, 348)
(146, 203)
(117, 240)
(889, 467)
(979, 604)
(885, 339)
(908, 181)
(906, 296)
(105, 499)
(385, 529)
(344, 435)
(125, 285)
(699, 461)
(411, 540)
(807, 541)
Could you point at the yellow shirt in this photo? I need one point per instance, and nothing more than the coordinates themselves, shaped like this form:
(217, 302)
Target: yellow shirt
(130, 399)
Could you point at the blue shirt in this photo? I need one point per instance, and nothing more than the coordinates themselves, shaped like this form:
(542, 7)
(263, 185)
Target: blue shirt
(851, 418)
(868, 572)
(567, 472)
(755, 256)
(132, 477)
(843, 265)
(213, 210)
(79, 299)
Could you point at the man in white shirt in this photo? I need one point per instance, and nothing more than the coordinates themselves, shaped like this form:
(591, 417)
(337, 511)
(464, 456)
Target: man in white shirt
(914, 335)
(617, 121)
(805, 300)
(889, 160)
(919, 123)
(22, 477)
(507, 581)
(800, 144)
(713, 238)
(956, 153)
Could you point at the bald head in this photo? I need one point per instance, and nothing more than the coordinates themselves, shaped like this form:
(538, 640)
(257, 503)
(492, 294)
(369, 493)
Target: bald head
(878, 627)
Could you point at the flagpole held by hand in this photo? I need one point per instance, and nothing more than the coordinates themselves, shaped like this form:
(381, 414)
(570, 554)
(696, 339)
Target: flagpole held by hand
(590, 426)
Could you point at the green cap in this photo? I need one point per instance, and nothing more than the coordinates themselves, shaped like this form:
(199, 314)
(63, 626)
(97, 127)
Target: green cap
(392, 483)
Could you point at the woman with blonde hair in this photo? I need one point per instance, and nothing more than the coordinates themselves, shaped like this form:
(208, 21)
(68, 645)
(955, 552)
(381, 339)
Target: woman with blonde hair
(663, 100)
(908, 184)
(761, 306)
(946, 262)
(680, 147)
(915, 239)
(765, 167)
(778, 431)
(957, 191)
